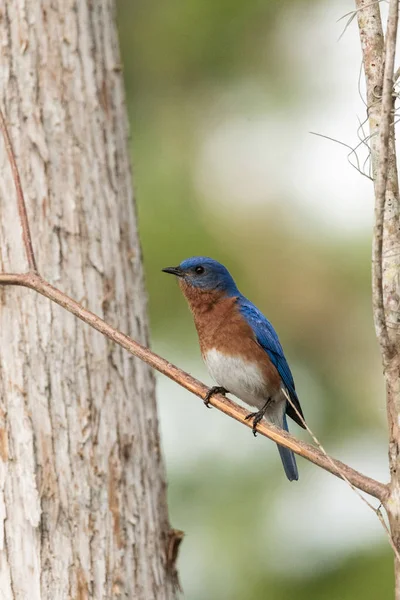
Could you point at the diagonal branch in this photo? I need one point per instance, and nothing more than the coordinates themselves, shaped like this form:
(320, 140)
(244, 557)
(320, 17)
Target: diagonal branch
(34, 281)
(311, 453)
(23, 215)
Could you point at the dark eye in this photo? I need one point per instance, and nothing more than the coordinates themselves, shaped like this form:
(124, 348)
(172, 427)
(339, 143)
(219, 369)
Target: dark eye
(199, 270)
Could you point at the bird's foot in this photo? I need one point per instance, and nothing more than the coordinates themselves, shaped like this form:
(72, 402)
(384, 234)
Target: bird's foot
(216, 389)
(258, 416)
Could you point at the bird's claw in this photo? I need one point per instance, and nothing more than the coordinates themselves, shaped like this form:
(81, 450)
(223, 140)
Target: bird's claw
(216, 389)
(257, 417)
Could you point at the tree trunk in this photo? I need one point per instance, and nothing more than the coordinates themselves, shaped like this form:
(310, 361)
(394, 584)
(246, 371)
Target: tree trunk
(378, 60)
(83, 510)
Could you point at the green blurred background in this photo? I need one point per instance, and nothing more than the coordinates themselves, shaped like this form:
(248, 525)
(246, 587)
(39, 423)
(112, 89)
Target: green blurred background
(222, 96)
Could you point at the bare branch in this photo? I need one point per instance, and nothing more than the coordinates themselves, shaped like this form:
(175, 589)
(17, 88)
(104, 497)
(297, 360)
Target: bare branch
(362, 482)
(26, 233)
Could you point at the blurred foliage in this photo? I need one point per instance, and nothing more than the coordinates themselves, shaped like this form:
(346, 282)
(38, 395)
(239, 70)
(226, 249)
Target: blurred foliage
(183, 62)
(367, 576)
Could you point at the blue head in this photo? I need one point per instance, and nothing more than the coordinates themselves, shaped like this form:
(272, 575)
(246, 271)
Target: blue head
(205, 274)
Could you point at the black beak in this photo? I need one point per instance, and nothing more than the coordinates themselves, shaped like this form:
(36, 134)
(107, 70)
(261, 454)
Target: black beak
(174, 271)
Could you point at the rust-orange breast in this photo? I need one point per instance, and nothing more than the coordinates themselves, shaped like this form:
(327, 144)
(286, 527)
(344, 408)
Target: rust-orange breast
(220, 325)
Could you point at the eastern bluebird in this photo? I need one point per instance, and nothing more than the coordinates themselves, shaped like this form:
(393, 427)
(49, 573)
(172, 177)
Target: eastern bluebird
(240, 347)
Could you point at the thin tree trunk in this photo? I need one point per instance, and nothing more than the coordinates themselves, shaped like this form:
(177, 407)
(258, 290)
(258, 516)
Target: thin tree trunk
(83, 510)
(378, 60)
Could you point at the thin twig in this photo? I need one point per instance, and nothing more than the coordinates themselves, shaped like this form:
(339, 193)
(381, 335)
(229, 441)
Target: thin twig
(359, 86)
(35, 282)
(352, 151)
(26, 233)
(352, 14)
(377, 511)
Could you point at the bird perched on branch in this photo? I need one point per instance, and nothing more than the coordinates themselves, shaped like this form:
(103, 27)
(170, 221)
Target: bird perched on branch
(240, 347)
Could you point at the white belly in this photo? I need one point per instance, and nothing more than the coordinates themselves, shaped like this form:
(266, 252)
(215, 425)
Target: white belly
(243, 379)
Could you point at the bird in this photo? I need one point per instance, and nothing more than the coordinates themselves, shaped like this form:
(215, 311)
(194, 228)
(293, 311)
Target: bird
(240, 348)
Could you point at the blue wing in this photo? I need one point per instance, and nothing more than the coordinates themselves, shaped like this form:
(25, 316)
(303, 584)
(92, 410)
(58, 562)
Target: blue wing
(269, 341)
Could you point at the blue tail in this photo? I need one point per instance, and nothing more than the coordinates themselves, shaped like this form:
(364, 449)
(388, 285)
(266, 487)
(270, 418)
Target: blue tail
(287, 457)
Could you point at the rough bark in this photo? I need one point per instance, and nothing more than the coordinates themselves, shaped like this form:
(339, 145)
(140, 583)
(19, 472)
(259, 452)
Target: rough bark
(378, 60)
(83, 509)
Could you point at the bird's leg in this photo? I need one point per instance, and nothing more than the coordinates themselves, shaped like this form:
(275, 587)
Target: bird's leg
(258, 416)
(216, 389)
